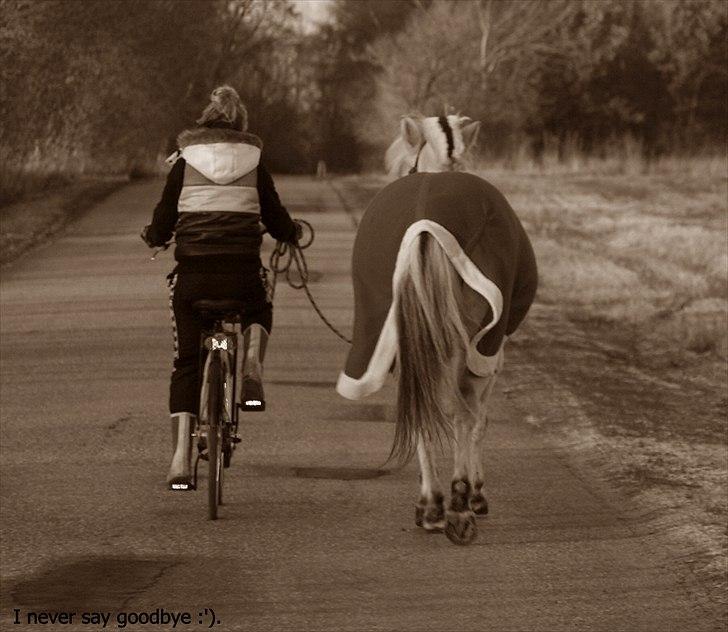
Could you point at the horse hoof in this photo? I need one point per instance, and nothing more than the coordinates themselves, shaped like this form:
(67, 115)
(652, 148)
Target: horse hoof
(461, 527)
(434, 527)
(479, 505)
(432, 519)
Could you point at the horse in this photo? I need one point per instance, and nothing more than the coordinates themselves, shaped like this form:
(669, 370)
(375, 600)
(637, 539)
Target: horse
(443, 274)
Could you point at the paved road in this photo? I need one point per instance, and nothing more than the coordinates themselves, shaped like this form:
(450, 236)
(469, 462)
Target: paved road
(316, 535)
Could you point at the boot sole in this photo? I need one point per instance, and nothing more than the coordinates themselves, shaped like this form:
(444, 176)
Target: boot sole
(253, 407)
(180, 484)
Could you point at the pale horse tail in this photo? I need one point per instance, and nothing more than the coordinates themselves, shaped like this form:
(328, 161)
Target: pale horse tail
(432, 348)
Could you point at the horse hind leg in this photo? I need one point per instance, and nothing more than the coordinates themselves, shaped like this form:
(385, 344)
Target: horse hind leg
(430, 508)
(461, 528)
(477, 501)
(482, 389)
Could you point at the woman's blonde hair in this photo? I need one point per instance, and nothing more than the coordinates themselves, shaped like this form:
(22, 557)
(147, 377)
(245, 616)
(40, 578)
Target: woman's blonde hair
(225, 107)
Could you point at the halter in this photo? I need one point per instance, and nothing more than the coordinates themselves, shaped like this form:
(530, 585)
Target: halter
(417, 160)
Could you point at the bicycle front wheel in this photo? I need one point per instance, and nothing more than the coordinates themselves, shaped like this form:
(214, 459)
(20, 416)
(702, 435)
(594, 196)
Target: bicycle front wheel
(214, 435)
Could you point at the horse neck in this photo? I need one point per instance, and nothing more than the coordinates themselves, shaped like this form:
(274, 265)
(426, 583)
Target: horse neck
(401, 157)
(428, 161)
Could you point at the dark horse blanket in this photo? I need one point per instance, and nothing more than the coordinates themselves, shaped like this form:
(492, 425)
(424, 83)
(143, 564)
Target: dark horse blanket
(483, 239)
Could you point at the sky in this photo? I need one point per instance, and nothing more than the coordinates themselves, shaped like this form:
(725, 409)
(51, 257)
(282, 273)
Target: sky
(313, 11)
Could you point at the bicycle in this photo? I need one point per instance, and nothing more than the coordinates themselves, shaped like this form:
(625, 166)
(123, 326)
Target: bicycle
(216, 430)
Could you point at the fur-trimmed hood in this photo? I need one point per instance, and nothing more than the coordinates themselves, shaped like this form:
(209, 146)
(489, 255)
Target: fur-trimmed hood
(208, 135)
(221, 155)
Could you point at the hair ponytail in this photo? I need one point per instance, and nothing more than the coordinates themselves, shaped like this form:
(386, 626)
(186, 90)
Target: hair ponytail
(225, 107)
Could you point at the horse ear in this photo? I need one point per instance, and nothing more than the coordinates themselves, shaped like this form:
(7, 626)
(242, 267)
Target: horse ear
(410, 131)
(470, 134)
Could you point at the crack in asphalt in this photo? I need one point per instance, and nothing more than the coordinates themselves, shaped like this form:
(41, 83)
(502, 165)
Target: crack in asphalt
(120, 420)
(152, 582)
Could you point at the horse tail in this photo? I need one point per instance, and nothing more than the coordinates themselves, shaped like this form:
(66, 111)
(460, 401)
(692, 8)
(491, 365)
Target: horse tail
(431, 350)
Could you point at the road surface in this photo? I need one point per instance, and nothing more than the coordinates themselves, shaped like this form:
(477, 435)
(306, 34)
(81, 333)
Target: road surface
(317, 534)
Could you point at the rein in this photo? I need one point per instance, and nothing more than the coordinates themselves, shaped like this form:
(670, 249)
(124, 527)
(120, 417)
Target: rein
(417, 160)
(283, 257)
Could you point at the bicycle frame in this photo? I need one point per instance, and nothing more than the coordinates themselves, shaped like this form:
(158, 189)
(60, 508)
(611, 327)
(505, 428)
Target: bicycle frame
(224, 342)
(219, 344)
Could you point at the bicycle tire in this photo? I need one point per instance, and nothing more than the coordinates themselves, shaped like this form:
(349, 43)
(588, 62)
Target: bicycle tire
(214, 440)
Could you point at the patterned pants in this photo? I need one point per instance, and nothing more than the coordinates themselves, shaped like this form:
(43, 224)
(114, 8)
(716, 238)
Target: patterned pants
(184, 289)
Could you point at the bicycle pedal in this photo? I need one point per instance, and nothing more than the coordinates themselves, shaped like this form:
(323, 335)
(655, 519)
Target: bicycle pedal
(235, 439)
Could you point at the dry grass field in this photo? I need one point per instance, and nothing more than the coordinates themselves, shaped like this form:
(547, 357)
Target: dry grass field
(622, 360)
(647, 254)
(631, 327)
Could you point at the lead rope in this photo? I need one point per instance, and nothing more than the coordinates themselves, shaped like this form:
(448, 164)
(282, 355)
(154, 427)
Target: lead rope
(281, 260)
(290, 253)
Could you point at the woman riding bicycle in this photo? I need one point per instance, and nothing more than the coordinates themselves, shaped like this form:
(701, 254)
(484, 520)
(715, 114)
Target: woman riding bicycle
(216, 196)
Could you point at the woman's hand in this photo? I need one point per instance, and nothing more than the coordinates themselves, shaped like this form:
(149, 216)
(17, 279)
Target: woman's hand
(303, 237)
(145, 236)
(299, 231)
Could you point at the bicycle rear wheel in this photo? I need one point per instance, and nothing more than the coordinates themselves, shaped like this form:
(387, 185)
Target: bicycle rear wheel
(214, 435)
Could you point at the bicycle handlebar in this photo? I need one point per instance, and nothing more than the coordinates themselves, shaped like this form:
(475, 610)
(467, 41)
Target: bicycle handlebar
(160, 249)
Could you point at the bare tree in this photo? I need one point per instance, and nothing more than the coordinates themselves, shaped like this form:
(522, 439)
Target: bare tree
(516, 29)
(475, 55)
(690, 49)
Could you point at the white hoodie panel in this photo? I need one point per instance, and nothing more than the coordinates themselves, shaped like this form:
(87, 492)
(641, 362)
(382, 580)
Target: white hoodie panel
(222, 162)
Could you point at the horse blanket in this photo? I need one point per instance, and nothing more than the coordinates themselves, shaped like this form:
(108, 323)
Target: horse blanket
(483, 239)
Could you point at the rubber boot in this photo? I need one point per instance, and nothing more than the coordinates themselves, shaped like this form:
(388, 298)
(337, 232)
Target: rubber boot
(180, 472)
(255, 341)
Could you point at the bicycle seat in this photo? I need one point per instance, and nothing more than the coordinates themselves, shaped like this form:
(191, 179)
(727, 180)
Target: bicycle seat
(221, 308)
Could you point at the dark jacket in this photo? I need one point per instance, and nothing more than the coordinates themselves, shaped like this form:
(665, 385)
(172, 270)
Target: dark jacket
(216, 196)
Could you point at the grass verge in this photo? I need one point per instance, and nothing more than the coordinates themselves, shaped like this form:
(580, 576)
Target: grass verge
(34, 220)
